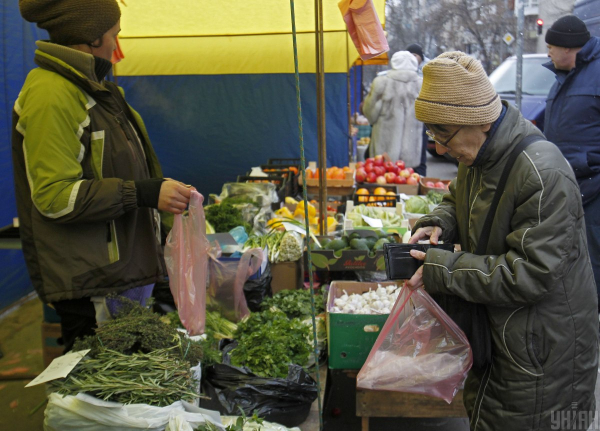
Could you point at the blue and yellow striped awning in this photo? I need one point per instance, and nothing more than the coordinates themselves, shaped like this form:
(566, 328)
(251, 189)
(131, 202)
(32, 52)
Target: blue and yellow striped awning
(216, 37)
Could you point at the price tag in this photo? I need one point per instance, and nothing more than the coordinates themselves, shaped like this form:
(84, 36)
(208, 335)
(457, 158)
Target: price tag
(373, 222)
(59, 368)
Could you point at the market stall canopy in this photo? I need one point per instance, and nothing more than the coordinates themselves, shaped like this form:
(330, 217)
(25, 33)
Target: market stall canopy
(207, 37)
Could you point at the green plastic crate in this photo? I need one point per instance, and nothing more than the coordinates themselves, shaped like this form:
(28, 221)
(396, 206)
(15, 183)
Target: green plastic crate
(351, 336)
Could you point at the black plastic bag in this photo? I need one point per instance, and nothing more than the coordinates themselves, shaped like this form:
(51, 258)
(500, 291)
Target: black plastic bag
(284, 401)
(257, 290)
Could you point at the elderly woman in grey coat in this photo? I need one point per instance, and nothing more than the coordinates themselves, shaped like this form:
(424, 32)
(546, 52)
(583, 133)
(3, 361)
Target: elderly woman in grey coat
(529, 267)
(390, 108)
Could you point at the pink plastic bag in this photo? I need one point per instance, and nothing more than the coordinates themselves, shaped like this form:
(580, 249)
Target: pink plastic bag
(226, 282)
(186, 256)
(364, 27)
(422, 351)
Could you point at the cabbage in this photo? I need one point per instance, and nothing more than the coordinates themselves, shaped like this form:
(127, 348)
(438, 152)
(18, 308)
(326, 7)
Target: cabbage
(417, 205)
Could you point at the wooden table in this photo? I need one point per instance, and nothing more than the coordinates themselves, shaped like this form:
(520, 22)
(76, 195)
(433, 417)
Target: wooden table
(371, 403)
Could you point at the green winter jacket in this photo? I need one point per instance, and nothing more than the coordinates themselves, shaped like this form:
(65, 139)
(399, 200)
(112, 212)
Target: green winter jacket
(77, 150)
(535, 280)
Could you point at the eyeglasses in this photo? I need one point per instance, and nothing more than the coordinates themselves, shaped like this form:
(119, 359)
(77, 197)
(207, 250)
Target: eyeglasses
(446, 142)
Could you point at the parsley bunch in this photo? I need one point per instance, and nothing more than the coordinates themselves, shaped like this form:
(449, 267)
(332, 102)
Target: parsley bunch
(295, 303)
(268, 342)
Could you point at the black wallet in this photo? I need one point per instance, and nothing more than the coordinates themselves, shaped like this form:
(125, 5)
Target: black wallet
(399, 264)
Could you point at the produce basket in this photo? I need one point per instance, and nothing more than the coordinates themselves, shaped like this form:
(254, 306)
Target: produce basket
(289, 172)
(423, 189)
(375, 197)
(352, 336)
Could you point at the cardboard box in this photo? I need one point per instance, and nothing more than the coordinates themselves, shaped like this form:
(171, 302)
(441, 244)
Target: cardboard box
(287, 276)
(351, 336)
(335, 187)
(347, 260)
(50, 347)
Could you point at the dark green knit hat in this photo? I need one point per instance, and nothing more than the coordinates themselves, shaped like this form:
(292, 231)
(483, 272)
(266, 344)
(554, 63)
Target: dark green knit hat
(71, 22)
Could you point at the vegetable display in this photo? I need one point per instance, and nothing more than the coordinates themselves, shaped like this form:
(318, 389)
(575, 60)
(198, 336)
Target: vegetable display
(388, 218)
(378, 301)
(156, 378)
(417, 205)
(224, 217)
(268, 342)
(355, 241)
(295, 303)
(136, 329)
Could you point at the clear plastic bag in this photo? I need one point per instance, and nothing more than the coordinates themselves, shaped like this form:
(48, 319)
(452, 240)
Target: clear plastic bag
(420, 351)
(262, 194)
(227, 277)
(186, 256)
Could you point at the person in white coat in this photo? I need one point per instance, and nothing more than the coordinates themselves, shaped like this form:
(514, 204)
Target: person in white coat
(390, 108)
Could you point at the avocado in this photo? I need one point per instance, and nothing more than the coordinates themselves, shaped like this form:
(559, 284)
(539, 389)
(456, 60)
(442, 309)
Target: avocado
(381, 233)
(359, 244)
(371, 240)
(379, 244)
(336, 244)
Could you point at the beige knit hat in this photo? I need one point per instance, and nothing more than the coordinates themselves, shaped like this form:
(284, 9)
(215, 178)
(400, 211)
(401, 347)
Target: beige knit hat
(457, 91)
(71, 22)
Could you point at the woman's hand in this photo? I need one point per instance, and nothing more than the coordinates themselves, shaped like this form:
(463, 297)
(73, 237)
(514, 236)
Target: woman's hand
(428, 232)
(174, 196)
(416, 281)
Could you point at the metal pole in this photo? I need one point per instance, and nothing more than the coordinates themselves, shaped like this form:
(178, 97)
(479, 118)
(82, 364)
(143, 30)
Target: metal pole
(321, 116)
(351, 152)
(520, 37)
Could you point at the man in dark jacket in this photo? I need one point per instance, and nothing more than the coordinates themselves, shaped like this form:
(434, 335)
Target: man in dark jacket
(534, 278)
(573, 116)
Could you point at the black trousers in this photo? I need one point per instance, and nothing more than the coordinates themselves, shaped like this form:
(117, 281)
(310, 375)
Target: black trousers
(77, 319)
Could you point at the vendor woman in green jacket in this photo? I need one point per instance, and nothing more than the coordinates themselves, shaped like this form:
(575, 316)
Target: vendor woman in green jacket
(534, 279)
(88, 184)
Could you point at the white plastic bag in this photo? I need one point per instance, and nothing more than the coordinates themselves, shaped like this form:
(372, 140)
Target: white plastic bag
(84, 412)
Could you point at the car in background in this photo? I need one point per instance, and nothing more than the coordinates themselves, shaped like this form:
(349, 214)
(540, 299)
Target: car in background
(589, 12)
(536, 83)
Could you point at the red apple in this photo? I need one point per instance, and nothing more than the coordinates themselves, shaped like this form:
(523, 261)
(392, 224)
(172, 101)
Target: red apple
(360, 164)
(371, 177)
(390, 167)
(400, 180)
(412, 181)
(369, 167)
(411, 170)
(381, 180)
(429, 184)
(400, 163)
(404, 173)
(390, 177)
(379, 170)
(369, 160)
(378, 160)
(415, 176)
(439, 185)
(360, 175)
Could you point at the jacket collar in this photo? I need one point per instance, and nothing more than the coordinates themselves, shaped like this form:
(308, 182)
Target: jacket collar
(74, 65)
(510, 131)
